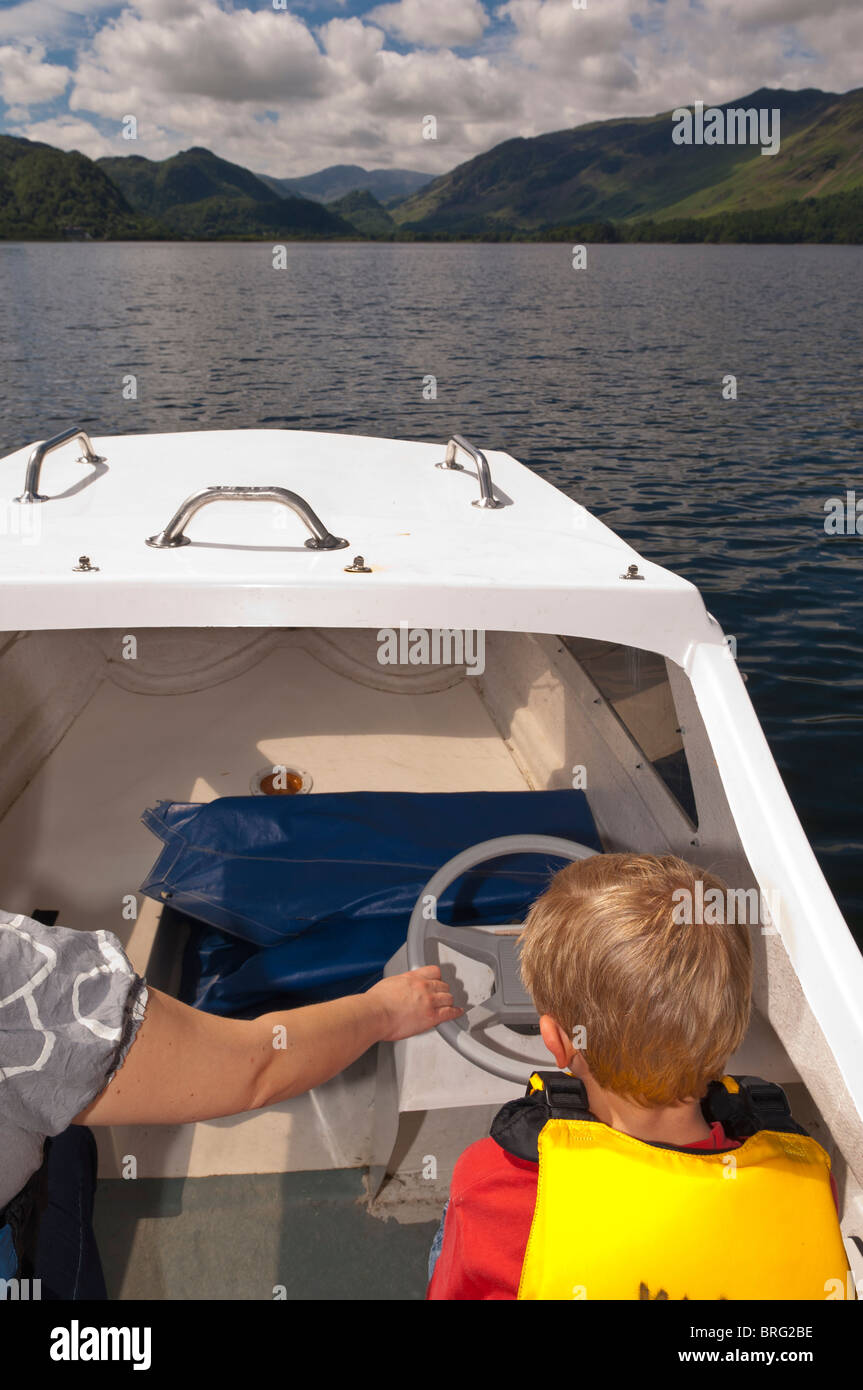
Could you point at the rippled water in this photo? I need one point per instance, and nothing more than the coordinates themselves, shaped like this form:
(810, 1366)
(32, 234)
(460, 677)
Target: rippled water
(606, 380)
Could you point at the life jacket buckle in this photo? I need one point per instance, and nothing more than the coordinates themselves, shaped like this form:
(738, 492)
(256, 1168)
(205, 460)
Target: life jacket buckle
(565, 1096)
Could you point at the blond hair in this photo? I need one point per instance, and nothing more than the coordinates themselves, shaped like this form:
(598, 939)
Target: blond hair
(662, 1004)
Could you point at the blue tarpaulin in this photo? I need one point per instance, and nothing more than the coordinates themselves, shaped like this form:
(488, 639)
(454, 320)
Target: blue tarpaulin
(296, 899)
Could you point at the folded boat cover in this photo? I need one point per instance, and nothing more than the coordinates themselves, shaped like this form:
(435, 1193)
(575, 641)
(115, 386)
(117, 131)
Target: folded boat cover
(297, 899)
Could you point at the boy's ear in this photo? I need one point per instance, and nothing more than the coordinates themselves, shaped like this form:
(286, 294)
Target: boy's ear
(556, 1040)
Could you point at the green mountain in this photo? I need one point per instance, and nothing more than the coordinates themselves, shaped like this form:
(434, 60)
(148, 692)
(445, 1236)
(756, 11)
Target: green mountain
(197, 194)
(820, 159)
(366, 214)
(620, 180)
(51, 194)
(329, 185)
(630, 169)
(835, 217)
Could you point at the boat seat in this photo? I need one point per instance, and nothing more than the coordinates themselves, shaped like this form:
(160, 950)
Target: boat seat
(292, 900)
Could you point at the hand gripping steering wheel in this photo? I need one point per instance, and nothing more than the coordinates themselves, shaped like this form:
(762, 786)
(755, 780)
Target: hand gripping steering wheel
(496, 947)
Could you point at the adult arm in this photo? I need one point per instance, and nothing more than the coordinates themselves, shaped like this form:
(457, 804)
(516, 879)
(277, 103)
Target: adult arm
(187, 1065)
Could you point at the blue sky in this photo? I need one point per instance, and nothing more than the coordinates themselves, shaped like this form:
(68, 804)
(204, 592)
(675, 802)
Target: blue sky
(287, 88)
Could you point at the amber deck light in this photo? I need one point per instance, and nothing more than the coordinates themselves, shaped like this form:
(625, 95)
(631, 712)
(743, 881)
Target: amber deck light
(278, 780)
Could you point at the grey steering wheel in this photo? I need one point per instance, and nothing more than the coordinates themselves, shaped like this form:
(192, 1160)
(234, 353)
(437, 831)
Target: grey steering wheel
(508, 1002)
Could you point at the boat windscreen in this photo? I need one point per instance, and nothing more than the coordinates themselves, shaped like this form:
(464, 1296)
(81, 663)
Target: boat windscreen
(635, 683)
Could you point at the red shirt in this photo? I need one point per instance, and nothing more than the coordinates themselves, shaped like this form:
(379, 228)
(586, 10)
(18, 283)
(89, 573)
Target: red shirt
(492, 1199)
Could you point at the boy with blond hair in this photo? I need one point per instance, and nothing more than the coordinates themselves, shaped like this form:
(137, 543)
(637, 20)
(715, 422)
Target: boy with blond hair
(639, 1170)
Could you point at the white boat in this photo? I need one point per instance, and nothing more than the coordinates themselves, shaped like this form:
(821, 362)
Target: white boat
(163, 638)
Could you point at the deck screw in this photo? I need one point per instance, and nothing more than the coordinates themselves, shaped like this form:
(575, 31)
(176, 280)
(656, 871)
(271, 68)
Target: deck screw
(632, 573)
(83, 565)
(359, 566)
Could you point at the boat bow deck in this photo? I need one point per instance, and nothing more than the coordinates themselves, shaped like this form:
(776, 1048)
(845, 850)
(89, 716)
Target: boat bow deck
(433, 559)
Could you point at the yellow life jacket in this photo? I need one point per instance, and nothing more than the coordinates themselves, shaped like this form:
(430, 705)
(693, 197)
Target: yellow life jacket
(618, 1218)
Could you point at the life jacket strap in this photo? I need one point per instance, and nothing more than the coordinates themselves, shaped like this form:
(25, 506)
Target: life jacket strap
(746, 1104)
(564, 1095)
(743, 1105)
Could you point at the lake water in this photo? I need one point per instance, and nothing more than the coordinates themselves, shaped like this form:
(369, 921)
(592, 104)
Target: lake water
(607, 380)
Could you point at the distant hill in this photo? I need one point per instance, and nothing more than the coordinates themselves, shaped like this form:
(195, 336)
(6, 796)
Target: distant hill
(197, 194)
(328, 185)
(364, 212)
(835, 217)
(48, 193)
(629, 169)
(821, 157)
(619, 180)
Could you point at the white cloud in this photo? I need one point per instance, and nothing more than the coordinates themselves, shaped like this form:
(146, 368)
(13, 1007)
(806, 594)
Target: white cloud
(44, 19)
(169, 9)
(259, 88)
(442, 24)
(26, 79)
(262, 88)
(230, 56)
(752, 13)
(553, 32)
(354, 46)
(69, 133)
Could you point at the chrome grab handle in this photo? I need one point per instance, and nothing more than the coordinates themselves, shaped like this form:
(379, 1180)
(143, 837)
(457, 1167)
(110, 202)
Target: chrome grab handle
(486, 497)
(172, 535)
(31, 491)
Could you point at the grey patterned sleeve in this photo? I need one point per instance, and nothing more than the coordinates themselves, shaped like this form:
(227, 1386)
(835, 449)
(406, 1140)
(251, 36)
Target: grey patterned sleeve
(70, 1008)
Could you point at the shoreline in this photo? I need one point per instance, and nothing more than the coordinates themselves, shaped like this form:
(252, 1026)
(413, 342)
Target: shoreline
(411, 241)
